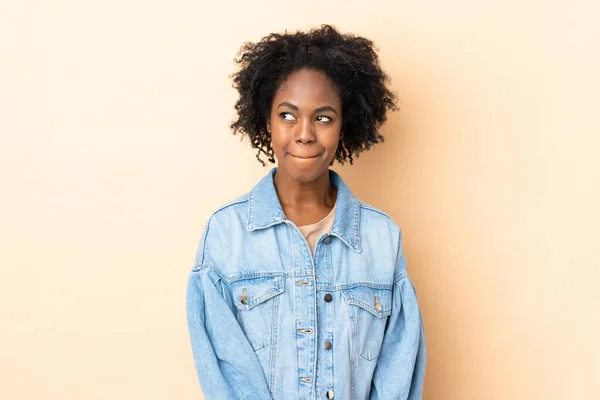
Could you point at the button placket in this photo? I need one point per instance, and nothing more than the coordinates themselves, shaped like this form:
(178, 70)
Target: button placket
(305, 333)
(325, 274)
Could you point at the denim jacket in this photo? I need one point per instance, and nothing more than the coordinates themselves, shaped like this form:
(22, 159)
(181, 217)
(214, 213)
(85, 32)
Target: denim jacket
(268, 319)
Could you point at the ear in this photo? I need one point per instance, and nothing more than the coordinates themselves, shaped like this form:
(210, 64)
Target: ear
(341, 135)
(268, 125)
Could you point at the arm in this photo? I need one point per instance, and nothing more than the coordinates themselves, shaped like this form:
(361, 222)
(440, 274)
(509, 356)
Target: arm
(400, 369)
(226, 364)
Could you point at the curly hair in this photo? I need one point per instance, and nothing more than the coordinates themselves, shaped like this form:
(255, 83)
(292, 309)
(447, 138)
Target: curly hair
(349, 61)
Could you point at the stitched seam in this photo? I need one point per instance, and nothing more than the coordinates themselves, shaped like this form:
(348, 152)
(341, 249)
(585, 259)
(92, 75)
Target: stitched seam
(239, 277)
(356, 228)
(353, 341)
(379, 314)
(370, 207)
(274, 335)
(211, 266)
(249, 210)
(364, 283)
(402, 275)
(278, 289)
(207, 225)
(367, 359)
(206, 229)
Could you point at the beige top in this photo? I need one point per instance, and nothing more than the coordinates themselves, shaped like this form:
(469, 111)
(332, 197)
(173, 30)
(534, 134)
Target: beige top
(313, 231)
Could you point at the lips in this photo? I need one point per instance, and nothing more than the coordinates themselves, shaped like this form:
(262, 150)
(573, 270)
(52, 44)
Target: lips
(304, 157)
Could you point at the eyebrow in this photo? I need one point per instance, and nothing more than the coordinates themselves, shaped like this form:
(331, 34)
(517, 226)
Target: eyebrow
(295, 108)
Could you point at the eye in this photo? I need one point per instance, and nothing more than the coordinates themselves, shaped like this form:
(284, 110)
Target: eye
(287, 116)
(323, 118)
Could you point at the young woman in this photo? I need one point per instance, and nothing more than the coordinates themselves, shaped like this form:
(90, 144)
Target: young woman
(300, 290)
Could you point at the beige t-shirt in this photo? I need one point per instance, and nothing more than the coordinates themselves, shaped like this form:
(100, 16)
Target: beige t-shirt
(313, 231)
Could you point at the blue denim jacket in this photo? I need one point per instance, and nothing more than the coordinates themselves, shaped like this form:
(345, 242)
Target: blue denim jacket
(269, 320)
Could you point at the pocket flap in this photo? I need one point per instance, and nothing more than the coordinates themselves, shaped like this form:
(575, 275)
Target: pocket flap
(378, 301)
(249, 292)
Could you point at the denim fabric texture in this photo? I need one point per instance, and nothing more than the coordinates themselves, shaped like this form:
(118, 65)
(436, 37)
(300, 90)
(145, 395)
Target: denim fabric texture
(268, 320)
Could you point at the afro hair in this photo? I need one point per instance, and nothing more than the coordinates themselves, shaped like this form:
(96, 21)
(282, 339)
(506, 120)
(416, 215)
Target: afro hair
(349, 61)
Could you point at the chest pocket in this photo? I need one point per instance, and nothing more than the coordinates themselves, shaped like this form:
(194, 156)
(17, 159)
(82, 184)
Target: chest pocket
(368, 308)
(257, 302)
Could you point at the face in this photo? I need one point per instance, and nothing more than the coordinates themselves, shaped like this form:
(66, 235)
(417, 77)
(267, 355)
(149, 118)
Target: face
(305, 124)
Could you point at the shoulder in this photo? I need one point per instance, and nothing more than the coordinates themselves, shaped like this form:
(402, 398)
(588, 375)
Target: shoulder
(229, 214)
(232, 206)
(379, 232)
(221, 222)
(372, 215)
(369, 207)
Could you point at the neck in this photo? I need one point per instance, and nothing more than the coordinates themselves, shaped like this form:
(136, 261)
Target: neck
(292, 193)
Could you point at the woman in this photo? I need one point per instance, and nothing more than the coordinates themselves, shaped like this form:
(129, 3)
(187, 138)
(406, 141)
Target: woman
(299, 289)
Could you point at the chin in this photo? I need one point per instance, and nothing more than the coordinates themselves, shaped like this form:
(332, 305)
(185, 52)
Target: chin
(305, 177)
(304, 174)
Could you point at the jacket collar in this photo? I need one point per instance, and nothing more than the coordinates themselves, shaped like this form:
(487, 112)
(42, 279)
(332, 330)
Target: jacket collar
(265, 209)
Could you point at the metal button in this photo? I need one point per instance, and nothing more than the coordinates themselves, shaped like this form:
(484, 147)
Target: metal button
(328, 297)
(327, 345)
(244, 298)
(377, 304)
(327, 240)
(330, 394)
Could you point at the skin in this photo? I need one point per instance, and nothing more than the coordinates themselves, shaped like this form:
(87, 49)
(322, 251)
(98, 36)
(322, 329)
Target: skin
(305, 124)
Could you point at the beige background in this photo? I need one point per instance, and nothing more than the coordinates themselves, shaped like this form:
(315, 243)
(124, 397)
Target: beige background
(115, 149)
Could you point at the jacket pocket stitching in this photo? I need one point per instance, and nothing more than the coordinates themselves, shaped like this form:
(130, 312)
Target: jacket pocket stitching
(257, 322)
(253, 301)
(353, 301)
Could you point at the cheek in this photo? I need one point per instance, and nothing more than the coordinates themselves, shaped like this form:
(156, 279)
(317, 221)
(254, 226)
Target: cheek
(333, 143)
(278, 137)
(332, 139)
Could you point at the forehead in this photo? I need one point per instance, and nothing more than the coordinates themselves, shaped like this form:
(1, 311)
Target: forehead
(307, 87)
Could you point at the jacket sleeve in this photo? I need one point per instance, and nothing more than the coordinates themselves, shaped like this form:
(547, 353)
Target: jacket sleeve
(400, 370)
(225, 362)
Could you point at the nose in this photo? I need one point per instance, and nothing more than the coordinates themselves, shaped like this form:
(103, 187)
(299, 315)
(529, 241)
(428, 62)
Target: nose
(306, 132)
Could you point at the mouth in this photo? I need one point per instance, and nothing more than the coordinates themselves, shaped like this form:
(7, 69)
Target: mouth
(305, 158)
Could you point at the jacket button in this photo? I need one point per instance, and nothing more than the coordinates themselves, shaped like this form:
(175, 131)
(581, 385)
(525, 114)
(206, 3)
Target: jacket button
(327, 345)
(378, 306)
(328, 297)
(327, 240)
(330, 394)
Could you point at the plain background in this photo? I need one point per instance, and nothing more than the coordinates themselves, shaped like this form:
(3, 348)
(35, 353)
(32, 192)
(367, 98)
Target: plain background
(115, 149)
